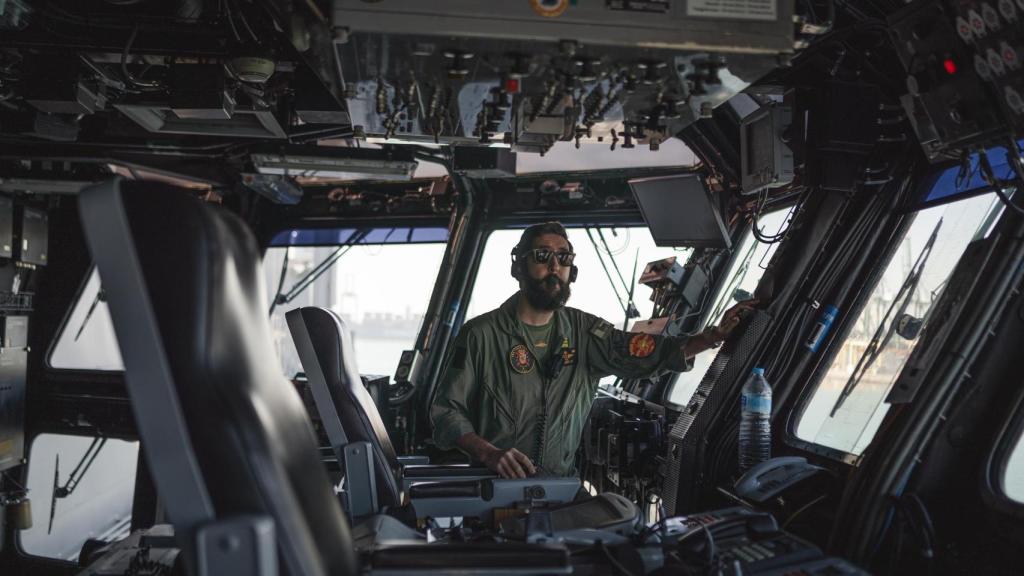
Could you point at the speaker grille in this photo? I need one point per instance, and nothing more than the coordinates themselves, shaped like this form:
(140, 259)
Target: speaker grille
(718, 390)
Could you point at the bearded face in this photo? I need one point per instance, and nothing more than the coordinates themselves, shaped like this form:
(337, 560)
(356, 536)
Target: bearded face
(546, 284)
(547, 293)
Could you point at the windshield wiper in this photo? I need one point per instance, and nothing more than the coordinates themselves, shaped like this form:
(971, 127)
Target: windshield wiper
(306, 281)
(101, 296)
(74, 478)
(890, 322)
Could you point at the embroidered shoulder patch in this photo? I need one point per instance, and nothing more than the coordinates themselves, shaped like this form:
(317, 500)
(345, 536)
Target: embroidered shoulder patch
(520, 359)
(641, 345)
(601, 330)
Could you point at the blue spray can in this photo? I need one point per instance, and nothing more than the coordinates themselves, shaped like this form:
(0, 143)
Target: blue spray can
(821, 328)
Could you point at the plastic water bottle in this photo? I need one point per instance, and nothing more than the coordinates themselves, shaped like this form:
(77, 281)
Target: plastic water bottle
(755, 441)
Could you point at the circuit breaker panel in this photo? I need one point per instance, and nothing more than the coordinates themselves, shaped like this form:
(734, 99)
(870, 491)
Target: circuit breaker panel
(23, 248)
(531, 73)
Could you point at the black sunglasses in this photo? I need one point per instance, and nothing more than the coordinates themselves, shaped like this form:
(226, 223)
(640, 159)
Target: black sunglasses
(542, 255)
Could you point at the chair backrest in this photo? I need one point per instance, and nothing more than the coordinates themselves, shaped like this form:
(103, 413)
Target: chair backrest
(225, 433)
(346, 408)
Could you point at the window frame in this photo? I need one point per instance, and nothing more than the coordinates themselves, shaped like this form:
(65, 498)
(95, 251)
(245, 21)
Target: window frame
(846, 322)
(1010, 435)
(81, 433)
(835, 339)
(394, 224)
(705, 317)
(68, 312)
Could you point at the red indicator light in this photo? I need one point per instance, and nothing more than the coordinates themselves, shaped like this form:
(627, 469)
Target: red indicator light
(949, 66)
(512, 85)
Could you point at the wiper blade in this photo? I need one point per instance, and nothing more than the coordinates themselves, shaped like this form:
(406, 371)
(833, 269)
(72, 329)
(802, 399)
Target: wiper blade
(306, 281)
(53, 493)
(101, 296)
(886, 328)
(74, 478)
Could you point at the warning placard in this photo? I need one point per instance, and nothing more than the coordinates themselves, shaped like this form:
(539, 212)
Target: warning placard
(735, 9)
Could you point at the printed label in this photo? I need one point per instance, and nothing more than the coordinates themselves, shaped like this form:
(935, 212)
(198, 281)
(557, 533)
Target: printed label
(738, 9)
(756, 403)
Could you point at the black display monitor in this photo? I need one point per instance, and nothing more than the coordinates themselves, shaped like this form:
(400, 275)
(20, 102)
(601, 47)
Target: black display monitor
(681, 211)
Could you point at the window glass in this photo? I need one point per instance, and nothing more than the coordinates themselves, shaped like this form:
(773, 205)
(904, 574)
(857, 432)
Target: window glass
(592, 292)
(99, 506)
(593, 155)
(382, 292)
(851, 425)
(1013, 480)
(744, 273)
(335, 236)
(87, 340)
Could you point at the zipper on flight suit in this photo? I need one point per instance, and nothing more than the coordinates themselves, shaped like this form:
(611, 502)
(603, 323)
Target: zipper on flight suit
(551, 371)
(542, 423)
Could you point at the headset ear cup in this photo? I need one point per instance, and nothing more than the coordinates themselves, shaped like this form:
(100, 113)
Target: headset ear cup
(573, 273)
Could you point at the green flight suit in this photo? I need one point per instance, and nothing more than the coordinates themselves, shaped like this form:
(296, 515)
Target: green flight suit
(493, 385)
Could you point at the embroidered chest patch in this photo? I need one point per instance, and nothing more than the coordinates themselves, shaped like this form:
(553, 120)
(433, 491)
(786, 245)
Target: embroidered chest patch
(641, 345)
(568, 356)
(521, 359)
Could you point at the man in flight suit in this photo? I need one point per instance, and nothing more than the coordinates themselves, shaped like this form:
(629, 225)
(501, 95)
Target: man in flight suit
(520, 380)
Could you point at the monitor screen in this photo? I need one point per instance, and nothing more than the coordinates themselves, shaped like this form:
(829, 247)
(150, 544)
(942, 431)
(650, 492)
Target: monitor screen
(680, 211)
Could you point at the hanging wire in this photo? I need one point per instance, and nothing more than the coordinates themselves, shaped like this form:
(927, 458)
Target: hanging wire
(231, 20)
(245, 21)
(998, 185)
(15, 482)
(600, 259)
(280, 280)
(780, 234)
(124, 64)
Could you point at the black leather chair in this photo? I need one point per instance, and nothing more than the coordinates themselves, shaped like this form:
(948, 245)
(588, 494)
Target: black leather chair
(347, 410)
(226, 435)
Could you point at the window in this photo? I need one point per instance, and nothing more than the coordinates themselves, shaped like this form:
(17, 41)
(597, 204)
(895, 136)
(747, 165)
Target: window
(98, 507)
(382, 291)
(849, 424)
(1013, 479)
(593, 292)
(87, 340)
(744, 273)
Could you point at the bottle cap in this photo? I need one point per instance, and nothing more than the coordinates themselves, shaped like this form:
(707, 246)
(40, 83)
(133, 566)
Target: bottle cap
(758, 371)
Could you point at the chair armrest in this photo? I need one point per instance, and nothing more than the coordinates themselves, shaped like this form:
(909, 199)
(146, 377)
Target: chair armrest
(443, 473)
(463, 489)
(478, 498)
(446, 470)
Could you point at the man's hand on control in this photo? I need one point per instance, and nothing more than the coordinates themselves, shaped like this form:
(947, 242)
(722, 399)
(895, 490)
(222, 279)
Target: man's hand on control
(731, 319)
(510, 463)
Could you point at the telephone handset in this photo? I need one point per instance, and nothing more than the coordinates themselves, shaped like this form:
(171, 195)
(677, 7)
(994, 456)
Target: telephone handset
(771, 477)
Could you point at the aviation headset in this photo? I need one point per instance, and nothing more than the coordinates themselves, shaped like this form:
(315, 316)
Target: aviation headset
(520, 249)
